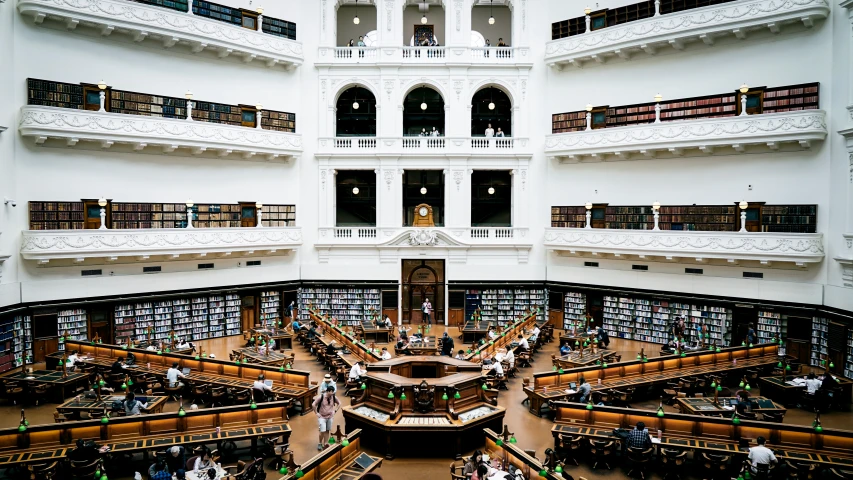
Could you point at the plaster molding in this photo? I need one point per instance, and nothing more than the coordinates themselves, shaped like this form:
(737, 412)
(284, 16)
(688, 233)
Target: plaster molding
(50, 245)
(170, 26)
(144, 133)
(675, 29)
(846, 261)
(798, 248)
(707, 135)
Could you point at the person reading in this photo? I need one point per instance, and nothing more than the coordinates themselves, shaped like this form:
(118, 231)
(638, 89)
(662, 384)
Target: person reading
(761, 455)
(639, 437)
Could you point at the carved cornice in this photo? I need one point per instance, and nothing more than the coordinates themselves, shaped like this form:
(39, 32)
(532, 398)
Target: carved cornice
(167, 26)
(146, 133)
(708, 136)
(798, 248)
(46, 245)
(675, 29)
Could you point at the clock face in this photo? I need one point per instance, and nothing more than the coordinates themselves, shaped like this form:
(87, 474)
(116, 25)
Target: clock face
(423, 211)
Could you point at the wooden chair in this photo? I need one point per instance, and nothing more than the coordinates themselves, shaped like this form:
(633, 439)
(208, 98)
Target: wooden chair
(573, 447)
(601, 452)
(672, 463)
(218, 396)
(456, 472)
(801, 470)
(58, 417)
(199, 393)
(638, 460)
(84, 470)
(43, 471)
(622, 398)
(838, 474)
(773, 417)
(173, 391)
(281, 453)
(714, 466)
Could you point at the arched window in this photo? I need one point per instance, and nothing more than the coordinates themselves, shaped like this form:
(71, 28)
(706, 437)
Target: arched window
(423, 110)
(477, 39)
(356, 113)
(491, 106)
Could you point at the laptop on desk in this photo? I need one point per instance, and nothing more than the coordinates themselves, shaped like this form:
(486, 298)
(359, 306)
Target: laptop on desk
(268, 383)
(186, 371)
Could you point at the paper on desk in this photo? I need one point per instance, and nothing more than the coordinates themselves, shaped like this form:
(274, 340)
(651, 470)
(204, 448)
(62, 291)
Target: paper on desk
(570, 391)
(655, 440)
(728, 407)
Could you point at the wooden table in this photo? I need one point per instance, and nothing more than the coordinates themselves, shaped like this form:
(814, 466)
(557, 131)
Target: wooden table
(155, 404)
(283, 337)
(338, 462)
(572, 337)
(706, 406)
(788, 394)
(575, 359)
(60, 387)
(423, 348)
(377, 334)
(474, 330)
(273, 358)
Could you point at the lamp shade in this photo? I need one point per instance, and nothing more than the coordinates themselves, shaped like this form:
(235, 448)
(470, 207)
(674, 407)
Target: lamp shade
(656, 206)
(102, 85)
(355, 105)
(658, 98)
(260, 10)
(587, 10)
(259, 107)
(588, 107)
(259, 205)
(188, 95)
(424, 20)
(355, 190)
(743, 204)
(491, 190)
(423, 190)
(588, 205)
(491, 20)
(744, 88)
(423, 106)
(189, 203)
(491, 105)
(102, 202)
(355, 20)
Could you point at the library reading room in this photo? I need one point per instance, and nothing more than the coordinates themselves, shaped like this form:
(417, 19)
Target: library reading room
(426, 239)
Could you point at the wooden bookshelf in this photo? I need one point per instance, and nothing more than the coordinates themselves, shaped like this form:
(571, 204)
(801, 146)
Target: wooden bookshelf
(574, 309)
(770, 324)
(281, 28)
(630, 13)
(820, 341)
(706, 218)
(672, 6)
(179, 5)
(760, 100)
(56, 216)
(568, 28)
(351, 306)
(66, 95)
(215, 11)
(279, 215)
(74, 322)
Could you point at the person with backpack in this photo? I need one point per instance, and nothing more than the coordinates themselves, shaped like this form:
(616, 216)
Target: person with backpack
(325, 406)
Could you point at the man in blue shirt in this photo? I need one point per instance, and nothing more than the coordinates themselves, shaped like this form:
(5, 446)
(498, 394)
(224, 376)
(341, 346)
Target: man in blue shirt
(639, 437)
(565, 349)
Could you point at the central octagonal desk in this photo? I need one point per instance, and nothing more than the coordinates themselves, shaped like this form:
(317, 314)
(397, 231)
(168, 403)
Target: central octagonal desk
(436, 403)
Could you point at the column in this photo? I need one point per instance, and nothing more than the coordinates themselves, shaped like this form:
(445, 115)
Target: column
(389, 24)
(457, 195)
(520, 195)
(458, 23)
(389, 194)
(328, 23)
(326, 196)
(520, 23)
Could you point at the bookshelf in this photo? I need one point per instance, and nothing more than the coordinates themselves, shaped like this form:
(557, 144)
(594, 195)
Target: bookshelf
(278, 27)
(717, 319)
(73, 321)
(568, 122)
(770, 324)
(197, 329)
(162, 319)
(529, 298)
(351, 306)
(671, 6)
(568, 28)
(279, 121)
(54, 94)
(820, 342)
(232, 314)
(630, 13)
(144, 313)
(279, 215)
(56, 215)
(181, 316)
(472, 301)
(618, 317)
(568, 217)
(848, 364)
(218, 12)
(574, 309)
(270, 308)
(179, 5)
(7, 344)
(125, 323)
(791, 98)
(23, 341)
(216, 316)
(660, 320)
(132, 103)
(789, 218)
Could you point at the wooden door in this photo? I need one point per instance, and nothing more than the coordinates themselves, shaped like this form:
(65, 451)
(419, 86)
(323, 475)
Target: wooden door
(248, 214)
(249, 313)
(92, 98)
(456, 316)
(44, 346)
(799, 349)
(555, 318)
(100, 324)
(92, 214)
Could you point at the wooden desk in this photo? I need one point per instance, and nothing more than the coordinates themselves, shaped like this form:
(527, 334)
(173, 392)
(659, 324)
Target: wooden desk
(474, 330)
(282, 336)
(338, 462)
(44, 443)
(272, 359)
(714, 435)
(511, 334)
(430, 347)
(659, 370)
(155, 404)
(345, 340)
(512, 454)
(575, 359)
(370, 331)
(788, 395)
(59, 387)
(706, 406)
(572, 337)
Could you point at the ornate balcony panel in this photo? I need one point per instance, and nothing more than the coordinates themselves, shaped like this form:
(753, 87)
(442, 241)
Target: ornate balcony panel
(454, 242)
(674, 30)
(768, 132)
(732, 247)
(165, 244)
(846, 260)
(425, 146)
(149, 134)
(169, 27)
(471, 56)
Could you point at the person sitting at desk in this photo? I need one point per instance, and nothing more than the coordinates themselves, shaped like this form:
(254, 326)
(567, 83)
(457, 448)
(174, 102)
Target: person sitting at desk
(84, 452)
(584, 389)
(472, 463)
(327, 383)
(173, 374)
(510, 357)
(131, 359)
(602, 338)
(295, 325)
(403, 345)
(118, 366)
(495, 369)
(261, 389)
(565, 349)
(761, 455)
(203, 461)
(176, 459)
(535, 334)
(159, 471)
(132, 406)
(812, 384)
(522, 343)
(386, 355)
(639, 437)
(182, 344)
(357, 371)
(491, 333)
(151, 347)
(460, 355)
(446, 345)
(331, 349)
(388, 323)
(71, 361)
(743, 403)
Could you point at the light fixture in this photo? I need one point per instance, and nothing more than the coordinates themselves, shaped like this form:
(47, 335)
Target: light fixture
(190, 203)
(260, 10)
(424, 19)
(355, 105)
(491, 100)
(743, 204)
(259, 107)
(588, 206)
(588, 107)
(259, 205)
(355, 19)
(587, 10)
(102, 202)
(491, 17)
(188, 95)
(491, 105)
(423, 99)
(102, 85)
(491, 190)
(744, 88)
(656, 206)
(423, 190)
(658, 98)
(355, 190)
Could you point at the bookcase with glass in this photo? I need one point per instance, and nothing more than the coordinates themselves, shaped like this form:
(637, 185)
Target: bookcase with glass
(74, 322)
(232, 314)
(848, 363)
(651, 320)
(270, 313)
(820, 341)
(351, 306)
(770, 325)
(574, 309)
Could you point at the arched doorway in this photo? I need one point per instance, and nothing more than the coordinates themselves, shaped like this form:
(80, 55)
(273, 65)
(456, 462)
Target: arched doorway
(423, 109)
(356, 113)
(491, 105)
(422, 280)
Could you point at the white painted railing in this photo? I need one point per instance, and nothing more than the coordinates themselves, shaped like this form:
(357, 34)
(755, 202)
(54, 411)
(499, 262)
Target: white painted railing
(408, 145)
(354, 232)
(425, 55)
(355, 54)
(379, 236)
(494, 54)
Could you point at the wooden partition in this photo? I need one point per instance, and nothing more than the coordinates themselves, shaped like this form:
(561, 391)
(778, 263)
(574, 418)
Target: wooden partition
(337, 461)
(40, 443)
(713, 434)
(511, 454)
(552, 385)
(489, 349)
(346, 340)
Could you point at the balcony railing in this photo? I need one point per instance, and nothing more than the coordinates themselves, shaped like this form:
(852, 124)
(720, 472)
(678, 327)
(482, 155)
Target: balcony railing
(168, 244)
(425, 55)
(208, 26)
(639, 29)
(415, 145)
(729, 247)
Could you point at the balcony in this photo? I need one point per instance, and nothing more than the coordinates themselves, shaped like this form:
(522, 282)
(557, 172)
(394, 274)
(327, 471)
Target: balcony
(454, 242)
(144, 134)
(404, 55)
(644, 37)
(846, 260)
(171, 28)
(730, 247)
(425, 146)
(167, 244)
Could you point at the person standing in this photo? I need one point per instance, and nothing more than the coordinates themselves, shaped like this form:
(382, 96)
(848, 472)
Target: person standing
(326, 406)
(446, 345)
(427, 309)
(490, 132)
(500, 133)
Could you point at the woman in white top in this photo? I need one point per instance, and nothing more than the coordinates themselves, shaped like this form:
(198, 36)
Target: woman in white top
(203, 462)
(433, 133)
(490, 132)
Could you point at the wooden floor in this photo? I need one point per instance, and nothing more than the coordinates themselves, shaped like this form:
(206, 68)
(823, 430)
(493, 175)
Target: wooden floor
(532, 432)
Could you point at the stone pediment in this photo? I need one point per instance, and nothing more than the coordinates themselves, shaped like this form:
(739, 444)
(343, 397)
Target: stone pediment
(423, 237)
